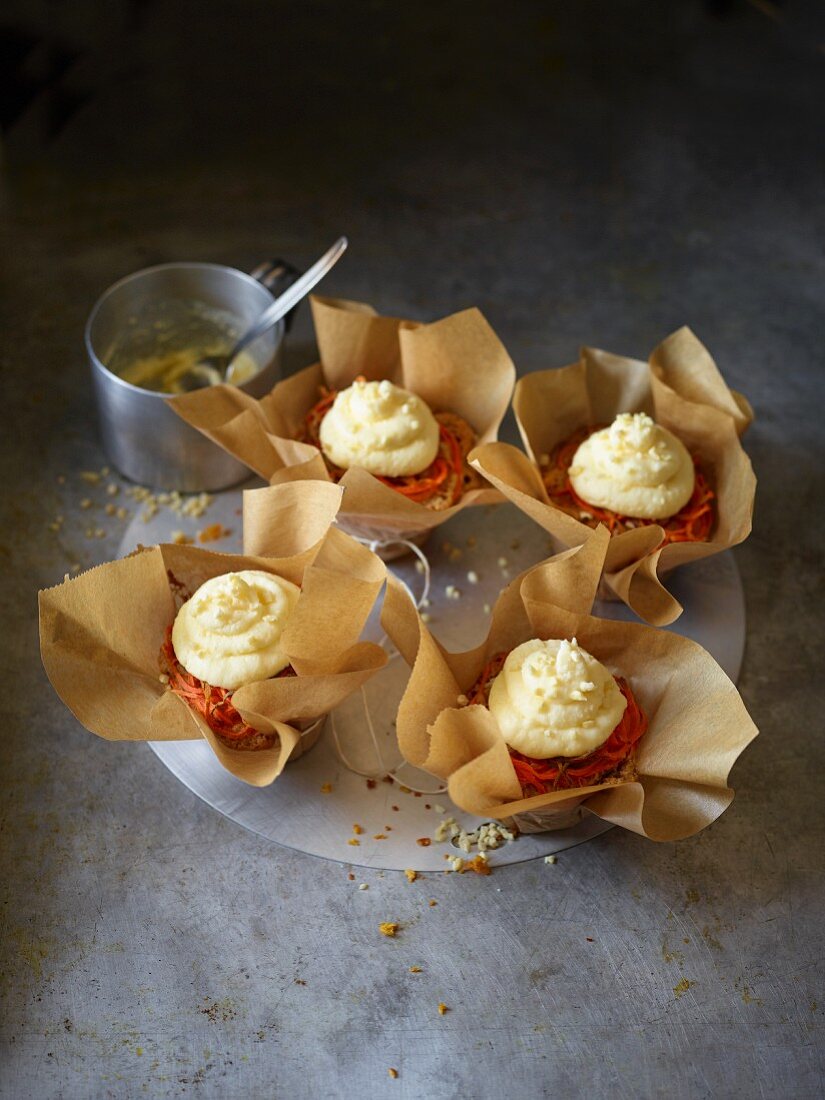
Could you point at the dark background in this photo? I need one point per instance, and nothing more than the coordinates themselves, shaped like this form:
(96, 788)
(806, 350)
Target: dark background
(596, 172)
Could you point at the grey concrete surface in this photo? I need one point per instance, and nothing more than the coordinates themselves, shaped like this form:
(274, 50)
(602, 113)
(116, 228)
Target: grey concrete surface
(592, 172)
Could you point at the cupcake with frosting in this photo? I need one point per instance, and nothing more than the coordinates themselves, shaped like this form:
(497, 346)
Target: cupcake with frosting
(612, 441)
(391, 412)
(557, 713)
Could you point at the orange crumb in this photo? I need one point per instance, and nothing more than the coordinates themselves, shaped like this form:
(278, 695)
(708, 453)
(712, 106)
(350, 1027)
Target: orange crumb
(213, 532)
(480, 866)
(442, 1009)
(357, 830)
(393, 1072)
(433, 902)
(411, 875)
(326, 788)
(355, 843)
(415, 969)
(424, 841)
(379, 836)
(388, 928)
(351, 877)
(371, 784)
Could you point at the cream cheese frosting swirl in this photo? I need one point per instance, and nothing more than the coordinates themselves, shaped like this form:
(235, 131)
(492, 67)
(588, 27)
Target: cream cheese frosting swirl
(381, 428)
(635, 467)
(229, 633)
(553, 698)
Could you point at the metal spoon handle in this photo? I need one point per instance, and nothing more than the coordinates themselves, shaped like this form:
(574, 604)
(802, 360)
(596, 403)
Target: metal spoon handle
(292, 296)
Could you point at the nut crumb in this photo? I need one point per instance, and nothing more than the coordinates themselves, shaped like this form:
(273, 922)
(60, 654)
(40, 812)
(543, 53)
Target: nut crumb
(415, 969)
(424, 841)
(393, 1072)
(388, 928)
(411, 874)
(353, 842)
(442, 1009)
(357, 830)
(378, 836)
(364, 886)
(351, 877)
(433, 903)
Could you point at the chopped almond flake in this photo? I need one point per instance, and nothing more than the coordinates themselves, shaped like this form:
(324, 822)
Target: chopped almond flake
(326, 788)
(415, 969)
(393, 1072)
(388, 928)
(424, 841)
(355, 843)
(411, 874)
(442, 1009)
(357, 830)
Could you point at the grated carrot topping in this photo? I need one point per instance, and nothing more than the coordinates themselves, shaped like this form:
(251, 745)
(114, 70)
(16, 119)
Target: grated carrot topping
(212, 703)
(446, 467)
(561, 773)
(692, 523)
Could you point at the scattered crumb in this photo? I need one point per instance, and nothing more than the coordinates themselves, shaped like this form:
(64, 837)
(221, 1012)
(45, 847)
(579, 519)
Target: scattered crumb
(357, 830)
(299, 981)
(388, 928)
(85, 504)
(419, 566)
(394, 808)
(164, 679)
(442, 1009)
(479, 865)
(452, 593)
(379, 836)
(364, 886)
(411, 874)
(213, 532)
(415, 969)
(393, 1072)
(371, 784)
(424, 841)
(353, 842)
(502, 563)
(515, 544)
(589, 939)
(112, 490)
(90, 476)
(426, 617)
(472, 577)
(462, 700)
(486, 609)
(110, 510)
(351, 877)
(433, 903)
(471, 541)
(180, 538)
(682, 987)
(549, 859)
(326, 788)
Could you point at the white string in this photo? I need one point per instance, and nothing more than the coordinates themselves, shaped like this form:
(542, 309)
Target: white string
(392, 655)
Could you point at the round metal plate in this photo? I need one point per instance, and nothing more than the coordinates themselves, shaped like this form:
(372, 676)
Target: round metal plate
(476, 553)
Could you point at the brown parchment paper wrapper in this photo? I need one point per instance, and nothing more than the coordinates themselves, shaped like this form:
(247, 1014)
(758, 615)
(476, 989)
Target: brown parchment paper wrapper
(101, 634)
(551, 405)
(457, 364)
(698, 724)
